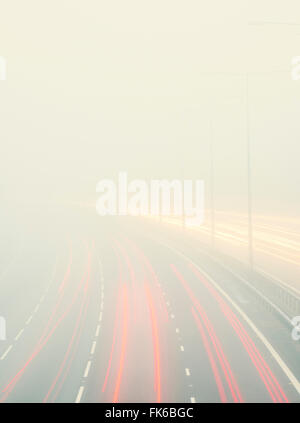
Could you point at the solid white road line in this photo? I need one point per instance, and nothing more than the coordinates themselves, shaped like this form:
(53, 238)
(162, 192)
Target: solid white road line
(280, 281)
(292, 378)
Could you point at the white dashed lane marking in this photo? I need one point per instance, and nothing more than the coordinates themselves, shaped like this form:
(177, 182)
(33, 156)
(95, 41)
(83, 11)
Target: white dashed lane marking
(79, 395)
(182, 349)
(19, 334)
(87, 369)
(97, 331)
(94, 344)
(93, 347)
(29, 320)
(6, 352)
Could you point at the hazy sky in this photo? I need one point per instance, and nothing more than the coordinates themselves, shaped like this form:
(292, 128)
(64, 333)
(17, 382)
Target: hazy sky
(95, 87)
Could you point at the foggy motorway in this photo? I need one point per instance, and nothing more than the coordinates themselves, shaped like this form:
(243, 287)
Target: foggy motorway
(149, 203)
(134, 313)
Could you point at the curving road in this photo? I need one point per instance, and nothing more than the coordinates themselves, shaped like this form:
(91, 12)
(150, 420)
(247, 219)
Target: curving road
(132, 314)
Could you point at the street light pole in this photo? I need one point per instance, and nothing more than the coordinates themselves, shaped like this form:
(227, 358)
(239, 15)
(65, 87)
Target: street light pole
(249, 180)
(212, 187)
(250, 221)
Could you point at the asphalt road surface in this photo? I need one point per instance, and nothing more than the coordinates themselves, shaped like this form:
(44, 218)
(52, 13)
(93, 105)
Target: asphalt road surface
(128, 313)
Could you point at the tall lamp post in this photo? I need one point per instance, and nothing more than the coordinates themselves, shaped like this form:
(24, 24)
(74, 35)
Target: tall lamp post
(212, 186)
(249, 181)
